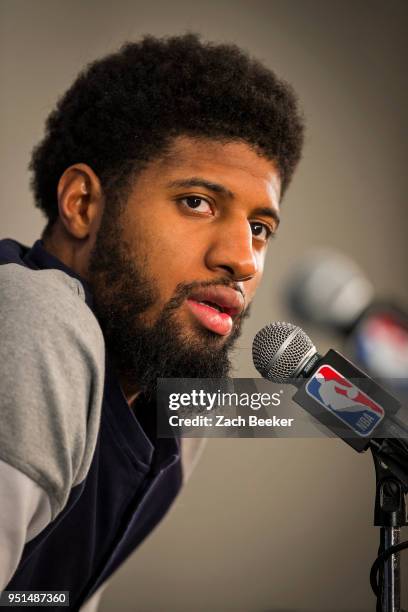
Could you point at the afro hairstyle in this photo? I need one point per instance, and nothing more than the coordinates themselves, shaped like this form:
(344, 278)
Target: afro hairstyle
(123, 110)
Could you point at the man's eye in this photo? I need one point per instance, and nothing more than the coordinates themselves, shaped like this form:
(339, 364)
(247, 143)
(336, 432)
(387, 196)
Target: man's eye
(196, 203)
(260, 231)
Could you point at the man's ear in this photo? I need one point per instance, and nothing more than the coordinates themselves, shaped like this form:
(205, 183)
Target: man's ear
(80, 201)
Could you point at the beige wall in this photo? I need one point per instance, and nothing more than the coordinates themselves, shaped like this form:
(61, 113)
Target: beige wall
(264, 524)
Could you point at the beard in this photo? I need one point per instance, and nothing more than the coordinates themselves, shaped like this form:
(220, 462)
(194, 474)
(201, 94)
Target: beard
(141, 353)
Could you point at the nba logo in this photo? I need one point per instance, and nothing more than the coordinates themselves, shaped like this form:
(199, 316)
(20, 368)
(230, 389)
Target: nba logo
(381, 344)
(345, 400)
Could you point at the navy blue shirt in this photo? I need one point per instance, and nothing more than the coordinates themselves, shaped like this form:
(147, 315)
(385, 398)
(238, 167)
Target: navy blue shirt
(132, 481)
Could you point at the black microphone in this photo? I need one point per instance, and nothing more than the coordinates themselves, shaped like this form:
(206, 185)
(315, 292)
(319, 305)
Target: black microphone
(329, 290)
(333, 390)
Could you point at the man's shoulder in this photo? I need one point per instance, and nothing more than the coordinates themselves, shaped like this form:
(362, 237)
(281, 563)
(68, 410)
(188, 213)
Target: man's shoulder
(44, 299)
(17, 282)
(52, 361)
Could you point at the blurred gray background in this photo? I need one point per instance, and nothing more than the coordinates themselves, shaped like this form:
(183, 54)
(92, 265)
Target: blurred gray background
(263, 524)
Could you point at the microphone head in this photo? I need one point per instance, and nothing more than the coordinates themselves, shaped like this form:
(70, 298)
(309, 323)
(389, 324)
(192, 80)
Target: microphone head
(328, 288)
(280, 350)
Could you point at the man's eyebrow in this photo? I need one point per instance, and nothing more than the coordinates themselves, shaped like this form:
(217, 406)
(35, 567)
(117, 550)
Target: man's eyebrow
(267, 212)
(197, 181)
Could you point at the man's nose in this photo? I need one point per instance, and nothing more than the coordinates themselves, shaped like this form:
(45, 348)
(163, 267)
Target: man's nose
(232, 250)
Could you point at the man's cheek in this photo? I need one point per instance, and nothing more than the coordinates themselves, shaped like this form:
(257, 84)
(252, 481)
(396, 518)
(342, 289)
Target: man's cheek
(166, 279)
(252, 287)
(260, 260)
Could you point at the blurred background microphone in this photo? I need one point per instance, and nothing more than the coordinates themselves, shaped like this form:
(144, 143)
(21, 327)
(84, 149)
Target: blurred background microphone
(328, 290)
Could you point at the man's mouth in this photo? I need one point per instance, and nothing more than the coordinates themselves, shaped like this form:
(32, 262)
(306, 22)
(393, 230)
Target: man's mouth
(216, 307)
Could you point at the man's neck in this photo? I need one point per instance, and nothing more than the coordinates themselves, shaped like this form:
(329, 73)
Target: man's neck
(70, 251)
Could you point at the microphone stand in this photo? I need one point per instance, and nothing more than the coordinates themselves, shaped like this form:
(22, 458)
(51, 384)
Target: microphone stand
(390, 452)
(390, 514)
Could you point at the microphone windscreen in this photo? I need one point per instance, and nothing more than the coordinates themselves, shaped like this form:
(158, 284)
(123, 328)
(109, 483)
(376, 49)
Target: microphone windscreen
(280, 349)
(328, 288)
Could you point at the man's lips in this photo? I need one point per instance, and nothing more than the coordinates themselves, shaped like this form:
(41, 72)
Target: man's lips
(215, 307)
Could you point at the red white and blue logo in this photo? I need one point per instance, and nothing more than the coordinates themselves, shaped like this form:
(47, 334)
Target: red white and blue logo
(381, 344)
(345, 400)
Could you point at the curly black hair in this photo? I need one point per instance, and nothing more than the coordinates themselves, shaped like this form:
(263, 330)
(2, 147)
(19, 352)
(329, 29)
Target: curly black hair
(124, 109)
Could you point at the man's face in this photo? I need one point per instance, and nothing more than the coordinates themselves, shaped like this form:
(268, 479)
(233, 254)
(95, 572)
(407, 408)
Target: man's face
(174, 274)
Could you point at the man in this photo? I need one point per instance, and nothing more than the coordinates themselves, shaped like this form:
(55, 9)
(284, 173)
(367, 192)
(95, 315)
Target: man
(161, 173)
